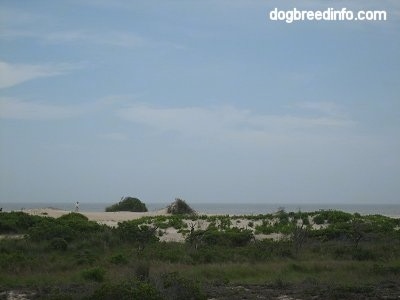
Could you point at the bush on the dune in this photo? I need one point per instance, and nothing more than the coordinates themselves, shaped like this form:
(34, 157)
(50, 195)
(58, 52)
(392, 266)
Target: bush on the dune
(128, 204)
(179, 207)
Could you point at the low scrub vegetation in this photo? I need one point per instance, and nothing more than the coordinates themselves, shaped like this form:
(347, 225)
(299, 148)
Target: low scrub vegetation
(329, 253)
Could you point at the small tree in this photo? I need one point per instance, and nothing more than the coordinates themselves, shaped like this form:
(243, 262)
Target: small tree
(128, 204)
(179, 207)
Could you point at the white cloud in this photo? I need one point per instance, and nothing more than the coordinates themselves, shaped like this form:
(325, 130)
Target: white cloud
(227, 122)
(14, 74)
(118, 39)
(24, 110)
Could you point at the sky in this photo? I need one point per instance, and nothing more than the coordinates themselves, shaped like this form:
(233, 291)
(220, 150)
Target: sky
(208, 101)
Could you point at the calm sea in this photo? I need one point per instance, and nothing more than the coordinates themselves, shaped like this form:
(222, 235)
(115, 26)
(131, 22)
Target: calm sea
(224, 208)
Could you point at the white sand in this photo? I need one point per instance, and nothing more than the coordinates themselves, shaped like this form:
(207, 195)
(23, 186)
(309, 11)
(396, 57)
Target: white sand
(108, 218)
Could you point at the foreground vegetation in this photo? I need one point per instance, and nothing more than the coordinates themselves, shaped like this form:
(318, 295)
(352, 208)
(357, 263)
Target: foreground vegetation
(329, 254)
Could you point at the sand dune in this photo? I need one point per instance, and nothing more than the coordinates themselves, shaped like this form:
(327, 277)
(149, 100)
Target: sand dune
(169, 234)
(108, 218)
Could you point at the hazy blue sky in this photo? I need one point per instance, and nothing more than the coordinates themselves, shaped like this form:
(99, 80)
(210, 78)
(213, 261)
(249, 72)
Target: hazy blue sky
(204, 100)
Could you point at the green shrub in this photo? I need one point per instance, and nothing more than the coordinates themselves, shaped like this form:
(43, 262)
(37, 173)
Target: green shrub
(128, 204)
(305, 220)
(382, 224)
(233, 237)
(386, 270)
(17, 222)
(224, 222)
(131, 231)
(319, 219)
(85, 257)
(179, 207)
(340, 252)
(336, 231)
(363, 254)
(142, 270)
(49, 228)
(15, 261)
(68, 227)
(210, 254)
(58, 244)
(74, 217)
(119, 259)
(94, 274)
(176, 222)
(285, 227)
(175, 287)
(283, 217)
(171, 252)
(332, 217)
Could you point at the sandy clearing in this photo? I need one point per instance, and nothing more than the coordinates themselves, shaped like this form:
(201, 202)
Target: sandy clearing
(101, 217)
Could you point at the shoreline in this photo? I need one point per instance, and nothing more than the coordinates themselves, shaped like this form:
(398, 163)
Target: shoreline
(223, 208)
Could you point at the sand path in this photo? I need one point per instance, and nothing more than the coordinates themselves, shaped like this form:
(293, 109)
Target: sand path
(108, 218)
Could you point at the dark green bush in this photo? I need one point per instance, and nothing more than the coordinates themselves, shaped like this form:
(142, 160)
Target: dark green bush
(171, 252)
(68, 227)
(175, 287)
(131, 231)
(319, 219)
(214, 254)
(332, 217)
(335, 231)
(305, 220)
(283, 217)
(119, 259)
(142, 270)
(233, 237)
(13, 261)
(285, 227)
(49, 228)
(128, 204)
(382, 224)
(73, 217)
(340, 252)
(85, 257)
(95, 274)
(363, 254)
(58, 244)
(180, 207)
(17, 222)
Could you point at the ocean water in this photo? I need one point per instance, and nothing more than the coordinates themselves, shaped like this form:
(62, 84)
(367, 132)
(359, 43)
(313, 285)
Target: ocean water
(223, 208)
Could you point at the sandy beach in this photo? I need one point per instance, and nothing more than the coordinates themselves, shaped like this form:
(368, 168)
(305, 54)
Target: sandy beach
(108, 218)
